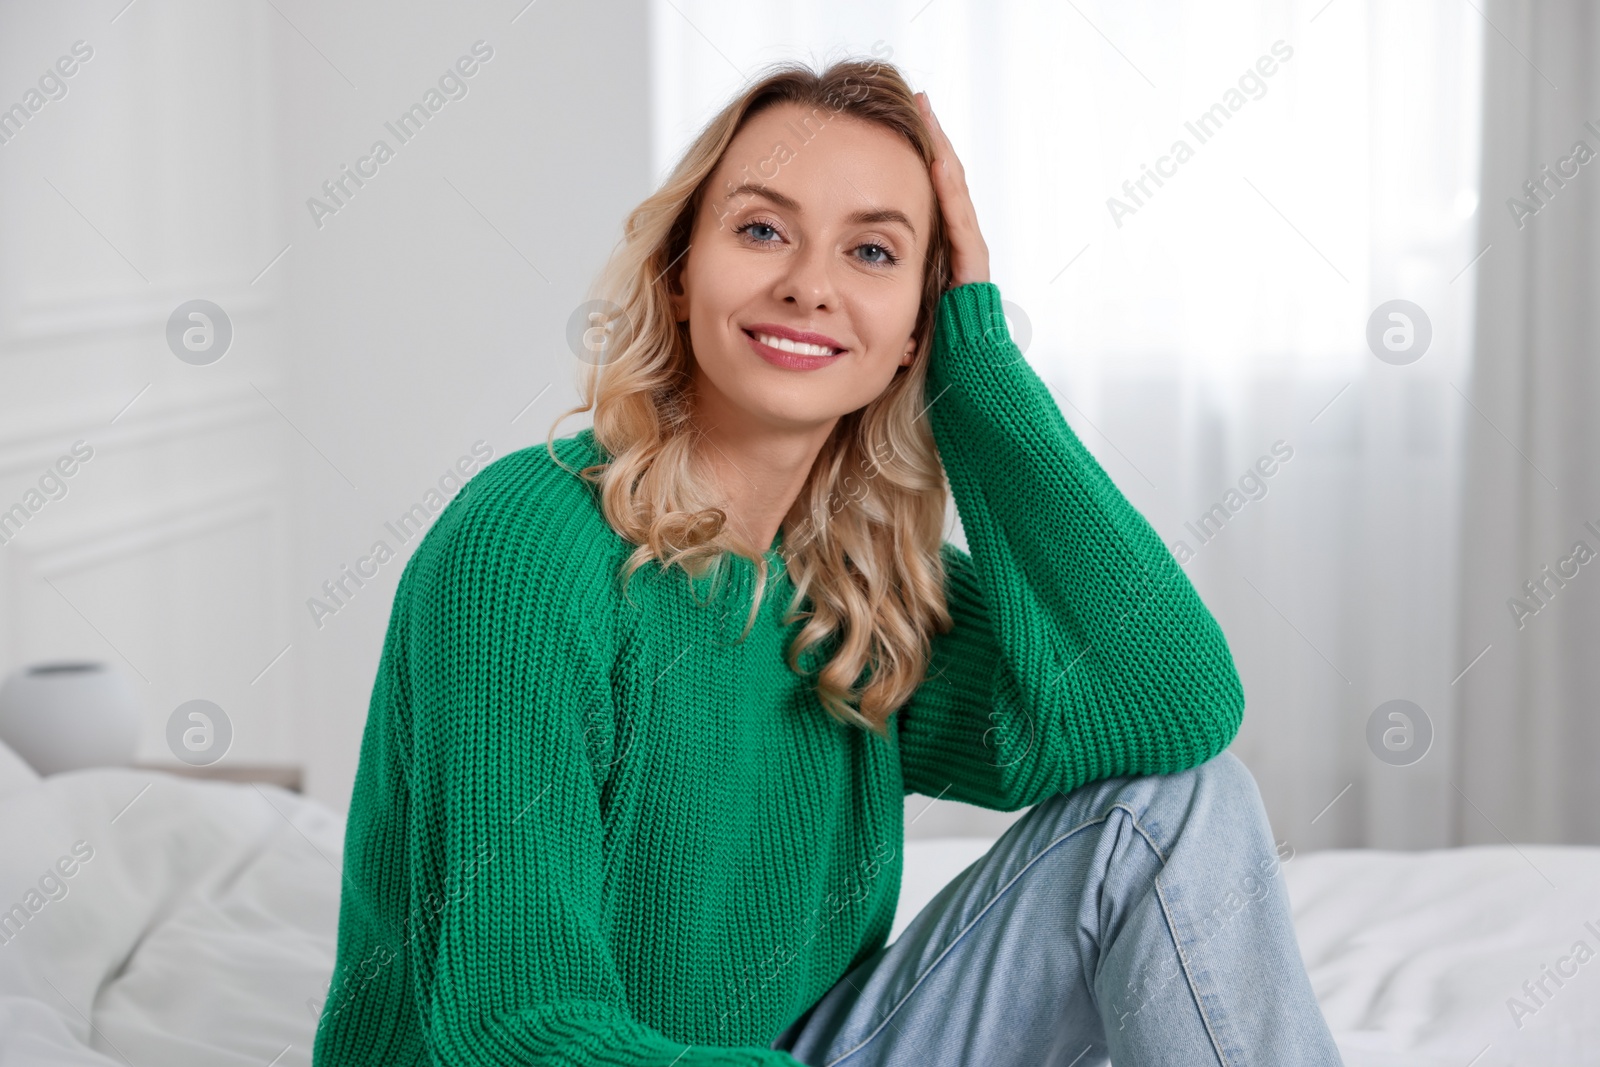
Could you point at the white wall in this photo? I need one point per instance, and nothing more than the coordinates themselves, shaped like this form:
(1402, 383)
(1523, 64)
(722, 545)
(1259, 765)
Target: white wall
(431, 309)
(369, 353)
(149, 180)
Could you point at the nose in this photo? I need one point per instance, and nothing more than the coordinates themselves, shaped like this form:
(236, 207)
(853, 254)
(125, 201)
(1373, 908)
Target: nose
(809, 282)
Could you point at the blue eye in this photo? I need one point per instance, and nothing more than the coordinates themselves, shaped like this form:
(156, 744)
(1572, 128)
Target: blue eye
(889, 258)
(754, 224)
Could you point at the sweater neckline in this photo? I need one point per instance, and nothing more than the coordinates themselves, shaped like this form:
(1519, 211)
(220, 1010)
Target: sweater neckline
(777, 566)
(743, 569)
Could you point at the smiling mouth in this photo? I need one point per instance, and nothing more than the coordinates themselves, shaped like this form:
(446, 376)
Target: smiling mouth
(794, 348)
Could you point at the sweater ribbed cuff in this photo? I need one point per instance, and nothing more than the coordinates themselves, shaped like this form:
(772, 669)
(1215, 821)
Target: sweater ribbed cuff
(978, 358)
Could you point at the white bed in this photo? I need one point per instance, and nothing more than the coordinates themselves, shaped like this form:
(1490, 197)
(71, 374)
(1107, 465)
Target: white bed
(201, 932)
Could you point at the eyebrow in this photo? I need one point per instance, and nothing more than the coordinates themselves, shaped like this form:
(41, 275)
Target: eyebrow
(788, 203)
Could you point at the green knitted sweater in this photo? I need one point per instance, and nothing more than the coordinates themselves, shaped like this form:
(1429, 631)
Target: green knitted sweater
(590, 828)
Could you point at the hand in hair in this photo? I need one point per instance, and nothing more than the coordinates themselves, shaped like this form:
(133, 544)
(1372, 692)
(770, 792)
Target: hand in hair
(969, 255)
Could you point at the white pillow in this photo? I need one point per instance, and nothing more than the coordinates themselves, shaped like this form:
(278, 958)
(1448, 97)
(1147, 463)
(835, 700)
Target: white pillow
(15, 773)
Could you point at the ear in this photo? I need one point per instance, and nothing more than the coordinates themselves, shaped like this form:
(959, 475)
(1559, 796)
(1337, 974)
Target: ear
(910, 352)
(678, 299)
(677, 294)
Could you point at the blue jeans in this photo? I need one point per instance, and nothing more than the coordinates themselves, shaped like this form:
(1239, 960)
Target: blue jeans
(1139, 918)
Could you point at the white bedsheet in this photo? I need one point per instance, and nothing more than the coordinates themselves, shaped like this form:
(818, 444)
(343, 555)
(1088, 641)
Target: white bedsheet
(201, 932)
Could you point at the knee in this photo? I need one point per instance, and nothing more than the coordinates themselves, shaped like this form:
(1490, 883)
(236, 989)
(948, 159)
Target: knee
(1220, 793)
(1223, 780)
(1226, 773)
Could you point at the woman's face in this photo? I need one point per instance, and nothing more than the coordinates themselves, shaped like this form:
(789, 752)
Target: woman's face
(826, 236)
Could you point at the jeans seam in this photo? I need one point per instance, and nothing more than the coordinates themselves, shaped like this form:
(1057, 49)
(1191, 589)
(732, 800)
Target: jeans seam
(985, 910)
(1133, 816)
(1183, 957)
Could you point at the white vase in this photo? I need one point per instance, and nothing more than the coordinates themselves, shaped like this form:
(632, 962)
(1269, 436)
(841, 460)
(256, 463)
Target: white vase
(66, 715)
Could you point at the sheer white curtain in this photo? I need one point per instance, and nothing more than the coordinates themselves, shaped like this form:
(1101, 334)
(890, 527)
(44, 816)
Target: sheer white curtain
(1532, 493)
(1212, 323)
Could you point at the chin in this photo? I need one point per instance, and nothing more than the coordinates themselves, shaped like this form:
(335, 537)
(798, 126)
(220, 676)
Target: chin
(768, 396)
(796, 417)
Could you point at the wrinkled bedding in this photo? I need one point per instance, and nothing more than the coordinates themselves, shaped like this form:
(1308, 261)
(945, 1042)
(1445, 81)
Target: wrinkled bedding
(200, 930)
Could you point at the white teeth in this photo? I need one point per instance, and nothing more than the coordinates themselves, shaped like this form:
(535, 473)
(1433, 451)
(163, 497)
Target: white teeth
(797, 347)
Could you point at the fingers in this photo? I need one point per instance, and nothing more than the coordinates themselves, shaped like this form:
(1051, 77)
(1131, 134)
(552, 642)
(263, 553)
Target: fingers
(970, 253)
(944, 151)
(949, 176)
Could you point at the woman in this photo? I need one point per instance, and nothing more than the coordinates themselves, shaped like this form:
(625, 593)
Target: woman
(616, 814)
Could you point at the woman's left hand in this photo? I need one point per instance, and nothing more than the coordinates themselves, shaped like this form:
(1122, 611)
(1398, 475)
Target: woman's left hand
(969, 256)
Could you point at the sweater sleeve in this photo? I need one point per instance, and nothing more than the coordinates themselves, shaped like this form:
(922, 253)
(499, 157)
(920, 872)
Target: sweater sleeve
(492, 716)
(1080, 650)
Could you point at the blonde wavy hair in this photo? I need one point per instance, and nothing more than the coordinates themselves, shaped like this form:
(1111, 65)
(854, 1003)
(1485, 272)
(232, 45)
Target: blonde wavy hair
(862, 542)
